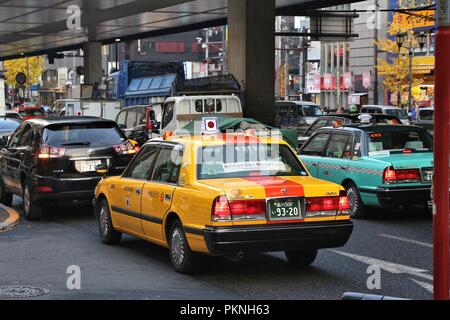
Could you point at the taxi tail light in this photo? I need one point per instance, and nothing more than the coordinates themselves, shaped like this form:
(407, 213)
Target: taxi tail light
(248, 207)
(391, 175)
(224, 210)
(322, 206)
(344, 203)
(221, 210)
(410, 175)
(125, 148)
(49, 152)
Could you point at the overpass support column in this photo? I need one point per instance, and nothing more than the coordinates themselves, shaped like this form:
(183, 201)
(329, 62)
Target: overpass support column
(92, 62)
(251, 54)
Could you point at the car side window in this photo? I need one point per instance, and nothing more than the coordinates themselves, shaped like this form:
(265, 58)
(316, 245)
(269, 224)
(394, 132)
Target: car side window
(317, 125)
(142, 116)
(27, 136)
(316, 145)
(168, 113)
(15, 138)
(141, 167)
(339, 146)
(121, 119)
(131, 118)
(168, 165)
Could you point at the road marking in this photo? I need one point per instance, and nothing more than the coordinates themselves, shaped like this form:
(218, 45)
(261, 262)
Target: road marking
(426, 286)
(420, 243)
(390, 267)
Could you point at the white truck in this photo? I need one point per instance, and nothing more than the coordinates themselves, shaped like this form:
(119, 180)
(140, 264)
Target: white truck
(180, 111)
(107, 109)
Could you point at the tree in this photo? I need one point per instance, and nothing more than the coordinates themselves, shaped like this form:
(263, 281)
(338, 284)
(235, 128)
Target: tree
(33, 67)
(395, 68)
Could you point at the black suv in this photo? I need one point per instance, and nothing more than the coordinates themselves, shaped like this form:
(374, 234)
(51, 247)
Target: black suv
(50, 161)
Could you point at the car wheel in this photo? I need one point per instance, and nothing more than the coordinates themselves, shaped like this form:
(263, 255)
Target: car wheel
(32, 209)
(181, 256)
(301, 258)
(5, 197)
(108, 234)
(357, 208)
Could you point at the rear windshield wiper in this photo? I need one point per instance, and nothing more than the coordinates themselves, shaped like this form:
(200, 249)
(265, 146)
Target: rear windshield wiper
(76, 144)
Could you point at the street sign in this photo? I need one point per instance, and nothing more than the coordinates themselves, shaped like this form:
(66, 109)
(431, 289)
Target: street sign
(347, 76)
(327, 81)
(21, 78)
(366, 79)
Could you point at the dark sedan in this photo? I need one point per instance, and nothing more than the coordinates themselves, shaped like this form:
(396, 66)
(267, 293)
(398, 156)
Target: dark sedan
(49, 161)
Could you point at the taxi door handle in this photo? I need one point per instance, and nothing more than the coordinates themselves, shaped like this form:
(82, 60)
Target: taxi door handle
(315, 164)
(138, 192)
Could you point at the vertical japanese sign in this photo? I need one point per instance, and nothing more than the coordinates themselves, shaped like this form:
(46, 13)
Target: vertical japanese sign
(367, 79)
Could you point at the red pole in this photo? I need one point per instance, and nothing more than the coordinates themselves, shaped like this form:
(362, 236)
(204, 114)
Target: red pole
(441, 154)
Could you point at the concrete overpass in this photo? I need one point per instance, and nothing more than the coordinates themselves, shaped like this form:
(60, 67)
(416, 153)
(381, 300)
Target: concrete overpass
(34, 27)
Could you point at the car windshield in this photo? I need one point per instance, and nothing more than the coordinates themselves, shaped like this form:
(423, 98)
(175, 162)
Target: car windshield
(240, 161)
(399, 113)
(32, 112)
(90, 134)
(380, 142)
(312, 111)
(426, 114)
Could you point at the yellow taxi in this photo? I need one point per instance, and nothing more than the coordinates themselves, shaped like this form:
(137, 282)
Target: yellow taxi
(223, 194)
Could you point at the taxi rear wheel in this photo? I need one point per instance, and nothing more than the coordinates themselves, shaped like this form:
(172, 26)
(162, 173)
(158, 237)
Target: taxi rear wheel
(181, 256)
(108, 234)
(357, 208)
(301, 258)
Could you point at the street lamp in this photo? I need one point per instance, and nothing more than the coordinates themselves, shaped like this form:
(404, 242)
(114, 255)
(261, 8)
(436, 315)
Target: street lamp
(422, 39)
(400, 40)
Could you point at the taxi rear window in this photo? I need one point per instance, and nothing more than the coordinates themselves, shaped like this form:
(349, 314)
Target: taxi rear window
(240, 161)
(399, 141)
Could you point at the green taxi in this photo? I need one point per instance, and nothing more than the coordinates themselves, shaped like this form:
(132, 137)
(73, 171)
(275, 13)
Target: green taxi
(388, 166)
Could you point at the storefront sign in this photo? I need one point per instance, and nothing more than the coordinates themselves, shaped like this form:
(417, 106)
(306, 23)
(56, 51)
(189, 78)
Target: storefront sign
(366, 79)
(347, 76)
(327, 81)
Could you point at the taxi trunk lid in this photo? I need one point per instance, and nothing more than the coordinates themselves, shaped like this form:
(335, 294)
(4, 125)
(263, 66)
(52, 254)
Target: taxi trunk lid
(414, 160)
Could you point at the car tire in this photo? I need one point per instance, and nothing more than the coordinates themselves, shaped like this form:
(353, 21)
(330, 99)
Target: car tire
(301, 258)
(33, 210)
(182, 258)
(108, 234)
(5, 197)
(357, 208)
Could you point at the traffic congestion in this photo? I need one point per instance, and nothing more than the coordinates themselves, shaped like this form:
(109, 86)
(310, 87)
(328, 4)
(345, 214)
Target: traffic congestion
(203, 189)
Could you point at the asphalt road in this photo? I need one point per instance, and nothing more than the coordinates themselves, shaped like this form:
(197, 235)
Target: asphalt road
(38, 254)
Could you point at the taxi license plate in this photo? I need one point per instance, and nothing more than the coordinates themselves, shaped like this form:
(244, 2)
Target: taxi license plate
(427, 175)
(285, 209)
(87, 166)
